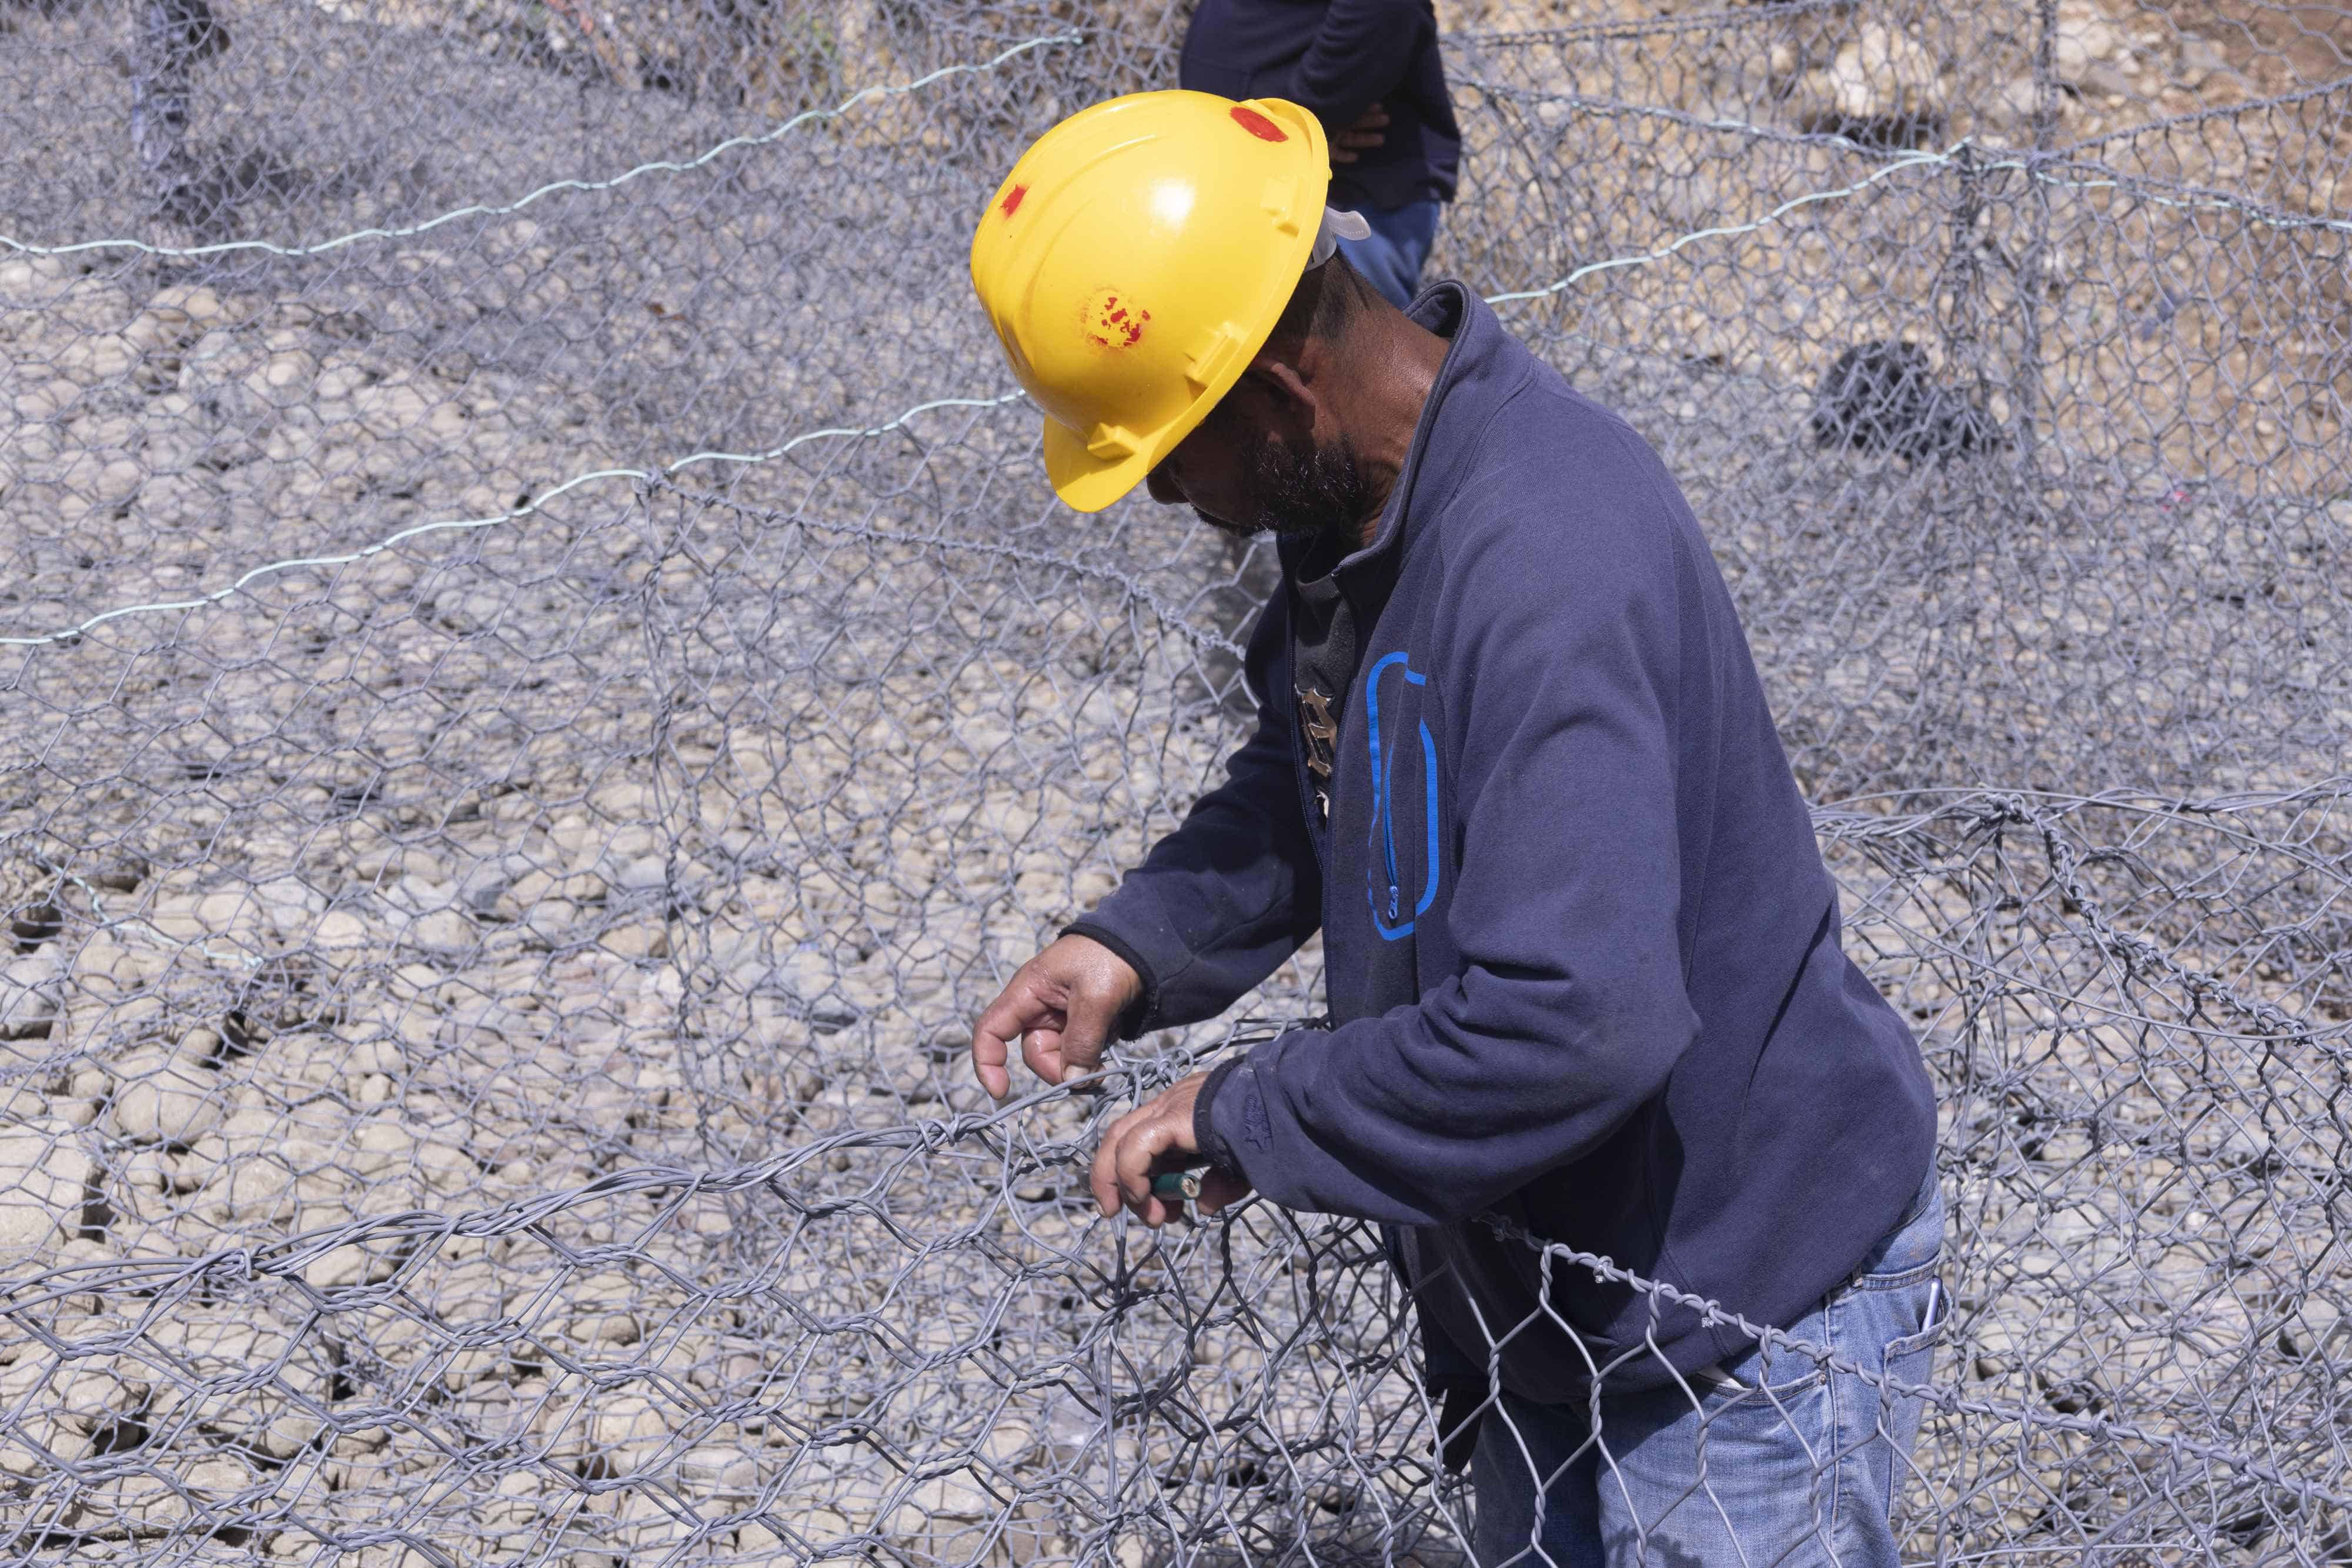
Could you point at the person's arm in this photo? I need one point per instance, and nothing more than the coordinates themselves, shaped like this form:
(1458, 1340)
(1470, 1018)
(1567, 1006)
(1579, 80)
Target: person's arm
(1235, 889)
(1560, 647)
(1213, 908)
(1358, 57)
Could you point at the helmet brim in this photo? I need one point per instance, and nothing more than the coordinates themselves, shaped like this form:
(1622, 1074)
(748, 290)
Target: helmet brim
(1089, 483)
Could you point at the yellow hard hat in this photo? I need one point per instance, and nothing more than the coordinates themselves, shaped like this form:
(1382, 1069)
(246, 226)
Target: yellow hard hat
(1133, 264)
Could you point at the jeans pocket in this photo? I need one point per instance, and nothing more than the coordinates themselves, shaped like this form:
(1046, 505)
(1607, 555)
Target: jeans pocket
(1788, 1413)
(1908, 1363)
(1767, 1393)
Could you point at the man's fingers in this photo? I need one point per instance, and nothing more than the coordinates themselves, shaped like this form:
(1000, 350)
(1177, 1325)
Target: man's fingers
(1138, 1150)
(988, 1066)
(1087, 1028)
(1041, 1048)
(1062, 1007)
(1219, 1188)
(1013, 1015)
(1104, 1177)
(1358, 139)
(1000, 1025)
(1123, 1160)
(1366, 133)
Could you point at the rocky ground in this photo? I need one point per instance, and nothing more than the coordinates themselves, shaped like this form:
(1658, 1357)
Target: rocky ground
(371, 924)
(2167, 291)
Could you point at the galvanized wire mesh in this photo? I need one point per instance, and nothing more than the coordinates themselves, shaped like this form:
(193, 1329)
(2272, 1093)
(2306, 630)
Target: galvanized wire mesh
(544, 686)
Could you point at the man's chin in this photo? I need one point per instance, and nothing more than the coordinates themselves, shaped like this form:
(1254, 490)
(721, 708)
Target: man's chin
(1231, 531)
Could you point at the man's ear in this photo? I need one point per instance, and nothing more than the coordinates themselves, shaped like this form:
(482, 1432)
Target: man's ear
(1289, 401)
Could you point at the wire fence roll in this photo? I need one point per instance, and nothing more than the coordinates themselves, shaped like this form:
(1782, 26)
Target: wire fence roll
(544, 686)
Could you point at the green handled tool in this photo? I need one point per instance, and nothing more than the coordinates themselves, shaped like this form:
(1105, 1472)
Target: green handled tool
(1184, 1185)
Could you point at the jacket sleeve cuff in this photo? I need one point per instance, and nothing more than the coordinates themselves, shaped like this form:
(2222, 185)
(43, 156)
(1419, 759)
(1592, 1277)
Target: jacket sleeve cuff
(1146, 1006)
(1212, 1144)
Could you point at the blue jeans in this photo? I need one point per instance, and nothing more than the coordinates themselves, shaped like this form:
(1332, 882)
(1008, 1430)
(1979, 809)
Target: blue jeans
(1391, 257)
(1768, 1458)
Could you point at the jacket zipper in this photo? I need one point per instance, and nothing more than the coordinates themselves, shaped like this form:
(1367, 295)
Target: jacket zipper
(1318, 830)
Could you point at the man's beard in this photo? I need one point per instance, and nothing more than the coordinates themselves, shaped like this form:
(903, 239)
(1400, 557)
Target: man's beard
(1318, 493)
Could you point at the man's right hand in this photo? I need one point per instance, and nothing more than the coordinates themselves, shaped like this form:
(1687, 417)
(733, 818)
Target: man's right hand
(1062, 1007)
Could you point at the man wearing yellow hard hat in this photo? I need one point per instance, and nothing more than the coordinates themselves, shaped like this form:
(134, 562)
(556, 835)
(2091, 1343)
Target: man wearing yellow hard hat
(1514, 762)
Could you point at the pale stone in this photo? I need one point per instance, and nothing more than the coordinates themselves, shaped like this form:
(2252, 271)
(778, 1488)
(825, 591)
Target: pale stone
(133, 1506)
(98, 357)
(720, 1469)
(955, 1496)
(625, 1427)
(228, 911)
(390, 407)
(2317, 1327)
(302, 1057)
(1008, 1441)
(1884, 74)
(101, 1019)
(157, 329)
(41, 403)
(2200, 57)
(32, 1431)
(2100, 79)
(197, 303)
(159, 1098)
(465, 1366)
(32, 988)
(374, 1055)
(641, 939)
(383, 1145)
(645, 873)
(754, 1536)
(2085, 36)
(199, 1048)
(290, 904)
(647, 1528)
(617, 1326)
(218, 1477)
(347, 1265)
(447, 1167)
(291, 368)
(445, 930)
(44, 1178)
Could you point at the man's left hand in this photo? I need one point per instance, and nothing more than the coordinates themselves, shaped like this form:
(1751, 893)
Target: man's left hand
(1370, 129)
(1153, 1137)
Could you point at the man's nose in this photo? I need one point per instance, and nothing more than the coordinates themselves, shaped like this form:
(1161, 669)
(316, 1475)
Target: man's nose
(1161, 483)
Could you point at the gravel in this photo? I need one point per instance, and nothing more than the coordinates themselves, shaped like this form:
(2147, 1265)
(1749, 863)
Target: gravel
(381, 924)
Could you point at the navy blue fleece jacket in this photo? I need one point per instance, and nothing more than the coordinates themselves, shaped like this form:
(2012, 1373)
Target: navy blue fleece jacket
(1337, 58)
(1581, 953)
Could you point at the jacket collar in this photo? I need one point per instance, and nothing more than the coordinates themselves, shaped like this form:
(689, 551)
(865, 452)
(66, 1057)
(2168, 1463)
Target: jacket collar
(1483, 363)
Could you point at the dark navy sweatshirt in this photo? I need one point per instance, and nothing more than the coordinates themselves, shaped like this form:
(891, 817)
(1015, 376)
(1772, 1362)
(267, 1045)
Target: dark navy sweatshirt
(1582, 954)
(1337, 58)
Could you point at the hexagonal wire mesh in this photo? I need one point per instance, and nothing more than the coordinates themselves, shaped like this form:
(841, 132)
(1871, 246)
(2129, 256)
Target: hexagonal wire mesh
(545, 686)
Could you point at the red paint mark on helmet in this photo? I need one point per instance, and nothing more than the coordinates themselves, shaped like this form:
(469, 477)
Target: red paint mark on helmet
(1257, 124)
(1012, 202)
(1110, 324)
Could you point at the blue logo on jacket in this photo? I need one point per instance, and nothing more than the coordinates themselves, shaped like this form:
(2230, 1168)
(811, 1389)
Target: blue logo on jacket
(1394, 677)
